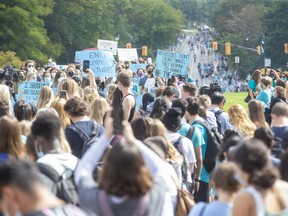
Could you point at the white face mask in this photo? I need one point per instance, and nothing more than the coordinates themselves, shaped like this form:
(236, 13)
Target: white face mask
(53, 75)
(30, 69)
(33, 80)
(47, 79)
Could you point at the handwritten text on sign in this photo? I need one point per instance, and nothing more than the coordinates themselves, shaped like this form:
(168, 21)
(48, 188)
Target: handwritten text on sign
(101, 62)
(31, 91)
(107, 45)
(168, 64)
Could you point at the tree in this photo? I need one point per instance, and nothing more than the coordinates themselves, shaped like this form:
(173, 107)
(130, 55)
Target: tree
(22, 29)
(155, 23)
(9, 58)
(78, 24)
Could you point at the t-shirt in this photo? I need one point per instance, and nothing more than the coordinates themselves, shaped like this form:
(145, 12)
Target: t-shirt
(265, 97)
(197, 138)
(281, 132)
(223, 118)
(252, 85)
(150, 84)
(204, 175)
(75, 141)
(65, 210)
(142, 81)
(213, 208)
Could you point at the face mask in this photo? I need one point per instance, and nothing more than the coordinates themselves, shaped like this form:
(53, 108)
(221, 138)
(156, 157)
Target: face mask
(60, 79)
(39, 154)
(47, 79)
(140, 74)
(33, 80)
(284, 79)
(53, 75)
(30, 69)
(70, 73)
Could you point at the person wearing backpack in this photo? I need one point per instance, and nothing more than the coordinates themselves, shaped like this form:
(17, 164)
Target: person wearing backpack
(172, 121)
(218, 101)
(194, 134)
(83, 132)
(57, 167)
(209, 148)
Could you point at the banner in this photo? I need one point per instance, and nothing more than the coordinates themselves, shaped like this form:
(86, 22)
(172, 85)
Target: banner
(108, 45)
(101, 62)
(168, 64)
(31, 91)
(135, 67)
(127, 54)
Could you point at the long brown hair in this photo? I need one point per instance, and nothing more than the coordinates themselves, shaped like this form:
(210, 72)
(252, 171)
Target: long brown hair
(256, 76)
(10, 139)
(256, 114)
(124, 171)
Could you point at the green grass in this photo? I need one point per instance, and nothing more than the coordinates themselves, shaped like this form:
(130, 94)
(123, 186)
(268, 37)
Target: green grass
(235, 98)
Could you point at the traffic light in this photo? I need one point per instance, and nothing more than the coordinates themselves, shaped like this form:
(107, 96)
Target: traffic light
(128, 45)
(286, 48)
(259, 50)
(144, 51)
(215, 45)
(227, 49)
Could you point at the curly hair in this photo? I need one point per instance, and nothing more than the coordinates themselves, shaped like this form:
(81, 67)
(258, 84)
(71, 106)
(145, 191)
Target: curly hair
(75, 107)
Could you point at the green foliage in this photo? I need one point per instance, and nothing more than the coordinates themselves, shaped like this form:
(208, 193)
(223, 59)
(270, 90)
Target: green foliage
(9, 58)
(155, 23)
(22, 29)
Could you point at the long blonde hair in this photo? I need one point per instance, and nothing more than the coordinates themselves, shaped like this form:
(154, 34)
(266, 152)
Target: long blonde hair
(58, 105)
(256, 114)
(5, 97)
(240, 120)
(71, 87)
(98, 109)
(46, 96)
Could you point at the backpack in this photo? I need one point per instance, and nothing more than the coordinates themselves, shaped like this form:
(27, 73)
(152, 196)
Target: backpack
(219, 125)
(65, 187)
(88, 140)
(279, 147)
(212, 146)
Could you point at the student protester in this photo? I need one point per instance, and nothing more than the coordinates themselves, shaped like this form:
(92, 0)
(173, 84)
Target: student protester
(265, 94)
(253, 84)
(132, 178)
(188, 90)
(196, 138)
(172, 121)
(128, 100)
(263, 194)
(218, 101)
(279, 124)
(22, 193)
(77, 113)
(147, 101)
(226, 182)
(256, 114)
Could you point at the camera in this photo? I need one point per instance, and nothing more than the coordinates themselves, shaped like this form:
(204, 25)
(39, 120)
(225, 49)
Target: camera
(9, 73)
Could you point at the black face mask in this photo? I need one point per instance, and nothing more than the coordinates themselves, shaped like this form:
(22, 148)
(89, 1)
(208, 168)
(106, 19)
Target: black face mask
(149, 72)
(70, 73)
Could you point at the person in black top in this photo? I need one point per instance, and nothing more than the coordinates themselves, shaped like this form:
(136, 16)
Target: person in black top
(77, 113)
(128, 100)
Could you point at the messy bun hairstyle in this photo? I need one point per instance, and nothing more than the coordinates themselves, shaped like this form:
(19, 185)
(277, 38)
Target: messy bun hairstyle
(251, 155)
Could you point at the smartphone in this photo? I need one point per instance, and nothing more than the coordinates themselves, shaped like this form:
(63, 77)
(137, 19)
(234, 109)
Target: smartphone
(86, 65)
(63, 94)
(117, 115)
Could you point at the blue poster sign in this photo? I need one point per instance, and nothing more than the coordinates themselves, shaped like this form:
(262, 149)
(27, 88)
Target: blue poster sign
(31, 91)
(101, 62)
(168, 64)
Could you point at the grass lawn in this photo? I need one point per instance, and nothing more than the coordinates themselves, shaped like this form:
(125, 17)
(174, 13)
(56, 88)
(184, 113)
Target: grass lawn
(235, 98)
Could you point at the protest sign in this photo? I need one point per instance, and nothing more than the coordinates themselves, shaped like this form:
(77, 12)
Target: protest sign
(127, 54)
(31, 91)
(107, 45)
(101, 62)
(168, 64)
(135, 67)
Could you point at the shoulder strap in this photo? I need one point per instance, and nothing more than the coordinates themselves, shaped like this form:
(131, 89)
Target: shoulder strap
(218, 113)
(104, 206)
(190, 132)
(177, 143)
(141, 206)
(49, 172)
(79, 132)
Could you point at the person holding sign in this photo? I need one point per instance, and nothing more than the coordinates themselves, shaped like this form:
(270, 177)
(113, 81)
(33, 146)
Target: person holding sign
(128, 100)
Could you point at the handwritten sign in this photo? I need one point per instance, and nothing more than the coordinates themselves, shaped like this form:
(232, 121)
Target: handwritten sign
(101, 62)
(168, 64)
(31, 91)
(108, 45)
(135, 67)
(127, 54)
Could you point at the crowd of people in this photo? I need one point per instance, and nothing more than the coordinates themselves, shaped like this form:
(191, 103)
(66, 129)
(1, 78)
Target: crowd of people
(90, 150)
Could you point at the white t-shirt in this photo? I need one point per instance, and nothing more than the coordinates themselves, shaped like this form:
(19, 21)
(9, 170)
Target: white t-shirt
(187, 149)
(150, 85)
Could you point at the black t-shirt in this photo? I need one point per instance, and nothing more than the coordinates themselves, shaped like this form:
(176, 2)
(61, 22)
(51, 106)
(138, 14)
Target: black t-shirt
(75, 141)
(65, 210)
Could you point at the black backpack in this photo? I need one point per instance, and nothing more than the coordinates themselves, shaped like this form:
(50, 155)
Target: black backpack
(279, 147)
(213, 145)
(65, 186)
(88, 140)
(219, 125)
